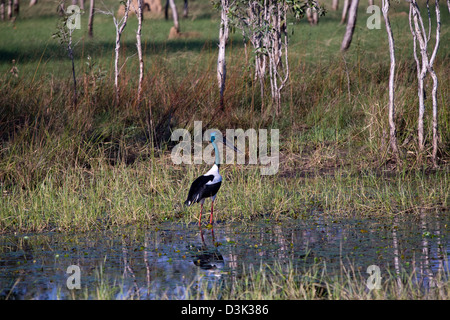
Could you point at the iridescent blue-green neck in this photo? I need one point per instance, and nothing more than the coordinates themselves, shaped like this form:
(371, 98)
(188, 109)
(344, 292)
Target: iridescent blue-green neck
(216, 152)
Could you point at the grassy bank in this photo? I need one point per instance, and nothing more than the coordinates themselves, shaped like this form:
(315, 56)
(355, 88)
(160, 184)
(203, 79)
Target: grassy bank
(100, 165)
(151, 191)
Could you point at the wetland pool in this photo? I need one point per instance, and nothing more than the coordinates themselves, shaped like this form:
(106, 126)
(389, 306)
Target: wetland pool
(167, 260)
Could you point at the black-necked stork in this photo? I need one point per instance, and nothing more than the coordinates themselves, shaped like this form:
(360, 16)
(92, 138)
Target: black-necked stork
(207, 185)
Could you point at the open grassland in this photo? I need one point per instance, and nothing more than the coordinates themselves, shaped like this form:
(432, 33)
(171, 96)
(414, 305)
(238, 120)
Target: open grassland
(100, 165)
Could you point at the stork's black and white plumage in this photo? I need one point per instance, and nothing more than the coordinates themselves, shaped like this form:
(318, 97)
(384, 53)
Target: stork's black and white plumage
(207, 185)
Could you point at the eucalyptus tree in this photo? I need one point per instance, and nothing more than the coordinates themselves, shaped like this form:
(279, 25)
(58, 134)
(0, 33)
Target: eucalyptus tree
(335, 5)
(173, 7)
(120, 24)
(264, 24)
(391, 112)
(345, 11)
(424, 66)
(185, 9)
(12, 6)
(223, 39)
(139, 14)
(2, 10)
(351, 23)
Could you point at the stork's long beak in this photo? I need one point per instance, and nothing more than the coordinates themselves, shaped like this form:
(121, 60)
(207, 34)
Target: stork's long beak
(230, 145)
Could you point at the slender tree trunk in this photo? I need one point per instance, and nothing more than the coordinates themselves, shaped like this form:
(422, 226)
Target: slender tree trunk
(351, 23)
(91, 19)
(120, 26)
(10, 9)
(139, 47)
(33, 2)
(392, 128)
(420, 36)
(278, 69)
(347, 4)
(335, 5)
(173, 7)
(419, 79)
(2, 10)
(223, 39)
(435, 84)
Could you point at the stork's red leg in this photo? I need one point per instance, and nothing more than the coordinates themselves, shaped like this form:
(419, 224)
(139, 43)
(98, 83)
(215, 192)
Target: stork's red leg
(200, 219)
(211, 215)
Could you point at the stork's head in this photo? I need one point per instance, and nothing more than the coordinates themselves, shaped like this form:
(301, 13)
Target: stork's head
(213, 136)
(227, 143)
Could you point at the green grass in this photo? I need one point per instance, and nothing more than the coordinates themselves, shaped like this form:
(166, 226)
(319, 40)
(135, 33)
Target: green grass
(281, 282)
(101, 165)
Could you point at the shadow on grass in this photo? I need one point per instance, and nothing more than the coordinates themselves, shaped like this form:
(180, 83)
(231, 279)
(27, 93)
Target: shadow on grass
(55, 51)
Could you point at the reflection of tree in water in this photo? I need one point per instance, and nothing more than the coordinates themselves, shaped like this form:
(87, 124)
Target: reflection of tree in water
(429, 271)
(428, 278)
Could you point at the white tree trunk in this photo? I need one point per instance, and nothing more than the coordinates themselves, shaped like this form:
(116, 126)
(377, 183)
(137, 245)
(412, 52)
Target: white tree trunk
(221, 62)
(10, 9)
(173, 7)
(392, 128)
(351, 23)
(335, 5)
(347, 4)
(33, 2)
(265, 23)
(139, 15)
(120, 26)
(2, 10)
(435, 84)
(419, 35)
(278, 69)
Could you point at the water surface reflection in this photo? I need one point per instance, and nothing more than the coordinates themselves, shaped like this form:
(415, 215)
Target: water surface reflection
(168, 260)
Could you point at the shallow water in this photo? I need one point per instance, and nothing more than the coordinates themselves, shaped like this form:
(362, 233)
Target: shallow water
(163, 261)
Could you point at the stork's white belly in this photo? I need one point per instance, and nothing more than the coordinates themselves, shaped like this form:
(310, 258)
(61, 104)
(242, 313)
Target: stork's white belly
(214, 171)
